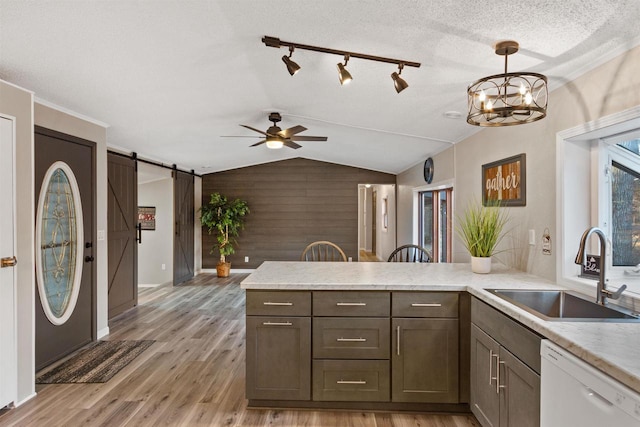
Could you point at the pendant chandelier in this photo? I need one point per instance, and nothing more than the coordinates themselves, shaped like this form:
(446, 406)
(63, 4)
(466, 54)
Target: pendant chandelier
(507, 99)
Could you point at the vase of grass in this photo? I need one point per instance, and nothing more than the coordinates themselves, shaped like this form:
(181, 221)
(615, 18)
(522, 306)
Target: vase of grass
(480, 229)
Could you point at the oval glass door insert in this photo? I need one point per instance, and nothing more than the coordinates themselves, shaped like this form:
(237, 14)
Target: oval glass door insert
(59, 237)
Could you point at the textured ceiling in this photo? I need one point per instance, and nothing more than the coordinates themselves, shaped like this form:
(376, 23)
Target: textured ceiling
(171, 77)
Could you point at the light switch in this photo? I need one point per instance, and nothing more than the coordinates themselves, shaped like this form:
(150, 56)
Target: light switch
(532, 237)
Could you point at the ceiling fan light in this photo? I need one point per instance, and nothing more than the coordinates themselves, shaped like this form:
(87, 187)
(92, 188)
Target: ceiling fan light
(292, 67)
(274, 143)
(398, 82)
(343, 75)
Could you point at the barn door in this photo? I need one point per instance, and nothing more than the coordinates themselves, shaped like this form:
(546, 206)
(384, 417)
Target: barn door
(183, 206)
(122, 220)
(65, 230)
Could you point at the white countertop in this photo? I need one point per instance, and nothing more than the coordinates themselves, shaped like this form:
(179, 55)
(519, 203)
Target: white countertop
(612, 347)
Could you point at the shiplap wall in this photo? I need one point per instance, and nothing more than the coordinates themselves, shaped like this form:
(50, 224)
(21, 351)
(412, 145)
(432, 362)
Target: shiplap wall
(293, 203)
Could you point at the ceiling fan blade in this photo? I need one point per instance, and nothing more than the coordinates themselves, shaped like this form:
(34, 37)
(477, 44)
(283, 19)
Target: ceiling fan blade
(241, 136)
(258, 143)
(308, 138)
(291, 144)
(291, 131)
(255, 130)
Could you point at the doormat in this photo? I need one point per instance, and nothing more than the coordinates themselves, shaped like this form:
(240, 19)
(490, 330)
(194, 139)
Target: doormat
(96, 363)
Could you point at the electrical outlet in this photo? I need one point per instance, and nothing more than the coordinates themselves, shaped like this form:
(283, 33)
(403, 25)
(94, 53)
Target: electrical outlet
(246, 259)
(164, 266)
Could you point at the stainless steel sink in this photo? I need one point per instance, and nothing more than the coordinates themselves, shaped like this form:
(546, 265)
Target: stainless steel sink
(562, 306)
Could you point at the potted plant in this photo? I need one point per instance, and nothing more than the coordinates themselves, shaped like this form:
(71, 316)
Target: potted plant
(224, 218)
(480, 228)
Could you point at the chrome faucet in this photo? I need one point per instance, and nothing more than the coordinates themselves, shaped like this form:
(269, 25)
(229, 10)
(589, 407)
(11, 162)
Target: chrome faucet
(602, 293)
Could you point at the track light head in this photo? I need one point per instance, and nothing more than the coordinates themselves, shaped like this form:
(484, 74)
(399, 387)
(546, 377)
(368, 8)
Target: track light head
(343, 75)
(292, 67)
(399, 83)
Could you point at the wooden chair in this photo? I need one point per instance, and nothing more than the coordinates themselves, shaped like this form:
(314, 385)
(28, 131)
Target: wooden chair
(323, 251)
(410, 253)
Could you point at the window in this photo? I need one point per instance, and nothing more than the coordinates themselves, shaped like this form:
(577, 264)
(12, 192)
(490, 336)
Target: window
(434, 223)
(622, 194)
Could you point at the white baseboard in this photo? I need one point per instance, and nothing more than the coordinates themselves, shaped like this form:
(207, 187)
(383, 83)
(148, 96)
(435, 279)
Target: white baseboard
(103, 333)
(25, 400)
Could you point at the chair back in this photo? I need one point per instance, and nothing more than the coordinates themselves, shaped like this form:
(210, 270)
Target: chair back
(410, 253)
(323, 251)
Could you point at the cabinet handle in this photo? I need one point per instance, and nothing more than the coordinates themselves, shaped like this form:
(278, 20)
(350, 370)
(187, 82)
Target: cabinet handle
(350, 382)
(491, 356)
(426, 304)
(398, 340)
(277, 303)
(498, 386)
(351, 339)
(277, 323)
(351, 304)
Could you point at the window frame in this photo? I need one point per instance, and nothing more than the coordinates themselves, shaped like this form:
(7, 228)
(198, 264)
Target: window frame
(436, 221)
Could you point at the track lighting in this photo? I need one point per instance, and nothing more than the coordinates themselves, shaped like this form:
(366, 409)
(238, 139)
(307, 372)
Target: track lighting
(292, 67)
(399, 83)
(343, 75)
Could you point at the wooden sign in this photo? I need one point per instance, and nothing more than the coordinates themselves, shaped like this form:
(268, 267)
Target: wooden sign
(591, 268)
(505, 182)
(147, 217)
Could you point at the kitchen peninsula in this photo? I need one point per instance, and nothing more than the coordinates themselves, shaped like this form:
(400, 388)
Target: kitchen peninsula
(610, 347)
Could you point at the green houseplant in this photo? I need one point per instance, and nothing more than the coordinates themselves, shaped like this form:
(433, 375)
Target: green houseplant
(480, 229)
(225, 218)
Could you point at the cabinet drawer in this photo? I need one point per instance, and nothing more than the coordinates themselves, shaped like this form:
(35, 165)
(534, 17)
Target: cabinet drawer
(351, 304)
(349, 338)
(278, 303)
(351, 380)
(425, 304)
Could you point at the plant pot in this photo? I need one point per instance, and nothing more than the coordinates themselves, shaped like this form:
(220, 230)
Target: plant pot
(481, 265)
(223, 269)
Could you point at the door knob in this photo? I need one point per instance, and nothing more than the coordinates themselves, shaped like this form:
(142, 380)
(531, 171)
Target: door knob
(8, 262)
(88, 258)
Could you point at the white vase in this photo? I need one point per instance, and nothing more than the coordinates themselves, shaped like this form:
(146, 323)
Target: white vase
(481, 265)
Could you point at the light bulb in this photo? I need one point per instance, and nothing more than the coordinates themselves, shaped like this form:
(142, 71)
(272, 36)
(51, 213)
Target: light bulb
(528, 98)
(483, 96)
(523, 90)
(489, 106)
(274, 144)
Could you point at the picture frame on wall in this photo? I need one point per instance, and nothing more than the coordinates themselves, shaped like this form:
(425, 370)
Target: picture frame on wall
(505, 181)
(147, 217)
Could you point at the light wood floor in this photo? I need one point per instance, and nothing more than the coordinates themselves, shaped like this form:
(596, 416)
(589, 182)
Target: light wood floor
(193, 375)
(368, 256)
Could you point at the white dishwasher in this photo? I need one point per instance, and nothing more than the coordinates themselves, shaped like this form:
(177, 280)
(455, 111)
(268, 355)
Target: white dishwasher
(574, 393)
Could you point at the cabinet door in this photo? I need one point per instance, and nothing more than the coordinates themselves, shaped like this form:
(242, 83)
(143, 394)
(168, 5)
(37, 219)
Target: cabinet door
(425, 360)
(520, 393)
(278, 358)
(485, 399)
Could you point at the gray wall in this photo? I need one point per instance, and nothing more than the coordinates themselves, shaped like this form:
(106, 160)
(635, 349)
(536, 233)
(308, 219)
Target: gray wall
(157, 245)
(609, 88)
(293, 203)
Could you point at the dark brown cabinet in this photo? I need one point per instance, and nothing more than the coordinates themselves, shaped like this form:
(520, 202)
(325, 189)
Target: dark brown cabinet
(425, 356)
(278, 346)
(505, 391)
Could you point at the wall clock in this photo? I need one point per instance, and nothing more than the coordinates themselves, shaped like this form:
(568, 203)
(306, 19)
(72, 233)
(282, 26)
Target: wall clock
(428, 170)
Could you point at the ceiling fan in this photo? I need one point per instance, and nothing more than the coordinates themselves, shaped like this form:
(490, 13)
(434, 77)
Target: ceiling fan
(277, 138)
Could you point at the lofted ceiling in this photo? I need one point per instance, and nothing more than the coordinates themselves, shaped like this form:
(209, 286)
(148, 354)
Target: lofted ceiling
(171, 77)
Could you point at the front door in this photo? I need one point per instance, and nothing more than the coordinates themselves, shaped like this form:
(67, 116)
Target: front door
(7, 275)
(65, 189)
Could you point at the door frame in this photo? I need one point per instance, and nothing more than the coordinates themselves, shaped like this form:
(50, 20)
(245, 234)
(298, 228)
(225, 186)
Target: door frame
(94, 223)
(14, 362)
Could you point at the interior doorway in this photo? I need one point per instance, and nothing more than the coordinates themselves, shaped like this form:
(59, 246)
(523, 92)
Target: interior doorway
(376, 221)
(155, 248)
